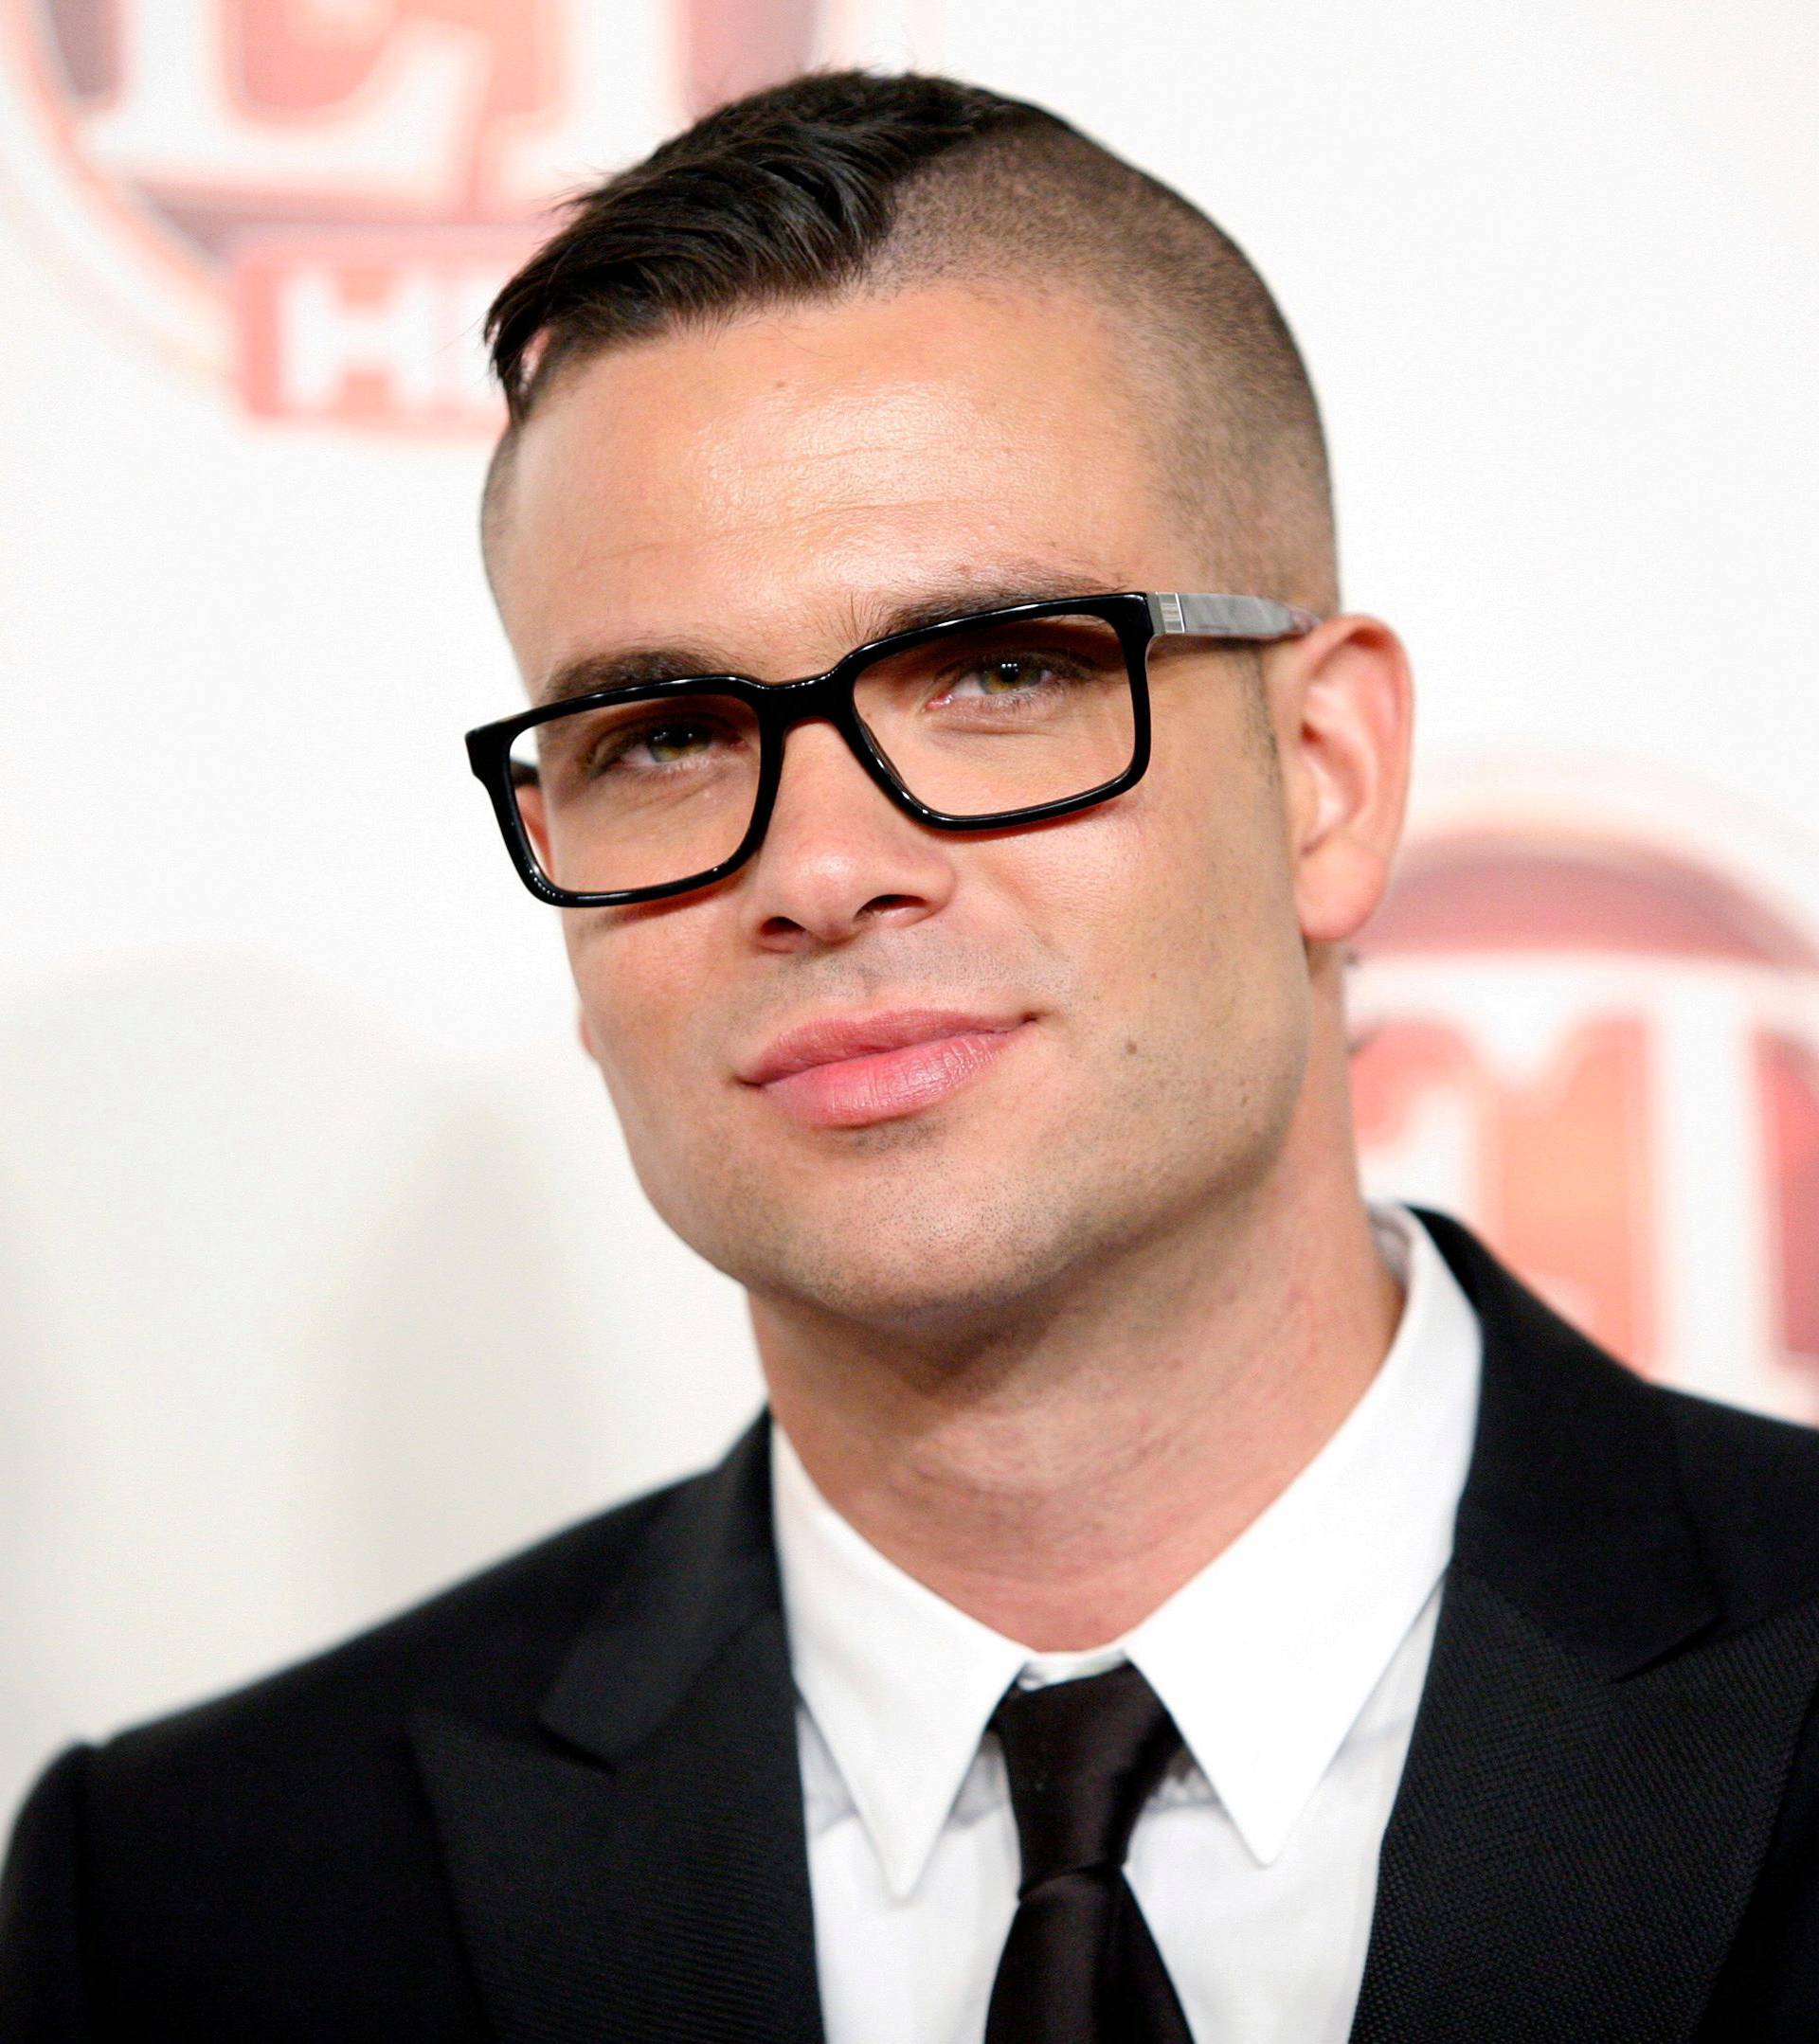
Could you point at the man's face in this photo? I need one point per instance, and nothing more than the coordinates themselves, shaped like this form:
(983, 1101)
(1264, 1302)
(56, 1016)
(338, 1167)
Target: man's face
(765, 497)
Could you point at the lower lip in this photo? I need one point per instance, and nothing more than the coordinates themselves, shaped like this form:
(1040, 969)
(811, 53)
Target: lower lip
(888, 1082)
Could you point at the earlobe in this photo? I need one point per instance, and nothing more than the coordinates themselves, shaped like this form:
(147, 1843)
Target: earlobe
(1350, 739)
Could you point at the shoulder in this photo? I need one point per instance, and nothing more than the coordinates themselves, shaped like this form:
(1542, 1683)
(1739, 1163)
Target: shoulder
(487, 1646)
(1750, 1484)
(1570, 1434)
(182, 1853)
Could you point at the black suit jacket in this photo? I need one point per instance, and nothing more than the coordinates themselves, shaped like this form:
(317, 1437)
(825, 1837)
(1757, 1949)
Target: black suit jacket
(560, 1802)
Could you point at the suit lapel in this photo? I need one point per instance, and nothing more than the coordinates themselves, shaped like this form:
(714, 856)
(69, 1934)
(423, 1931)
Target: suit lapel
(1590, 1782)
(646, 1879)
(1597, 1760)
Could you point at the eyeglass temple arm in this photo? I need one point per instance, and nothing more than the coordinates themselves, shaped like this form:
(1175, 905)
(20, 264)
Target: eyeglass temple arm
(1227, 617)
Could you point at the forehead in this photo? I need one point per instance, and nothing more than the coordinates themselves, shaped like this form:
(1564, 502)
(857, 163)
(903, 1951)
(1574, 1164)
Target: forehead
(806, 469)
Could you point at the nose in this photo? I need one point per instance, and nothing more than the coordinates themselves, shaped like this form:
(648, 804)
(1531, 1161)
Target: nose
(839, 856)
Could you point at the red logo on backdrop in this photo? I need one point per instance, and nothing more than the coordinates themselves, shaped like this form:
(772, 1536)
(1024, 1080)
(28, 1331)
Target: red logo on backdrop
(1603, 1051)
(316, 199)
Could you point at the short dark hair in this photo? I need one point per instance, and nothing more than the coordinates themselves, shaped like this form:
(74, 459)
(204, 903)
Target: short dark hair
(848, 181)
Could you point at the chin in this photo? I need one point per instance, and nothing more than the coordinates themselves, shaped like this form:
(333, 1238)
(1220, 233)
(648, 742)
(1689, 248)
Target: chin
(914, 1296)
(964, 1271)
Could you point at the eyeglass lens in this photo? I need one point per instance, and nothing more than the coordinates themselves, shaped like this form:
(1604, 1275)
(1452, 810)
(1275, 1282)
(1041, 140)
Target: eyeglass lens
(974, 722)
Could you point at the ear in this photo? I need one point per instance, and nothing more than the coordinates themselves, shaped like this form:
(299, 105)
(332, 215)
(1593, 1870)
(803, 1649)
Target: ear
(1343, 707)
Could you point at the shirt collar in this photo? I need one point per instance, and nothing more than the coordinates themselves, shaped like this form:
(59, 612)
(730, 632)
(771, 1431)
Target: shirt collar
(1265, 1657)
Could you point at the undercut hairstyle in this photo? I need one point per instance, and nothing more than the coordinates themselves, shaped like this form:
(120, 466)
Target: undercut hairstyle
(845, 184)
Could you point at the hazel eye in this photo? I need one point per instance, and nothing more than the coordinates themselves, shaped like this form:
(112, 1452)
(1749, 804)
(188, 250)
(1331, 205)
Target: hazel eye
(1012, 675)
(655, 743)
(664, 741)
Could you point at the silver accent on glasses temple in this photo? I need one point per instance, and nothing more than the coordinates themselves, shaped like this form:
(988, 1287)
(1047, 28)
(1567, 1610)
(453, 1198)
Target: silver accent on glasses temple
(1227, 617)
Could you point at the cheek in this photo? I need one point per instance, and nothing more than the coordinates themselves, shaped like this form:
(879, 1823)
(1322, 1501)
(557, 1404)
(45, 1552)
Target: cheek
(1186, 917)
(637, 980)
(1184, 871)
(1220, 811)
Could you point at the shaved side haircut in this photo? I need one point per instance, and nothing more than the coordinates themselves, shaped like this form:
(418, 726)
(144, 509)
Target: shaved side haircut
(846, 183)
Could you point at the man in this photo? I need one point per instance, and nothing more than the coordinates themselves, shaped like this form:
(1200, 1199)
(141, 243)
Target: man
(1167, 1597)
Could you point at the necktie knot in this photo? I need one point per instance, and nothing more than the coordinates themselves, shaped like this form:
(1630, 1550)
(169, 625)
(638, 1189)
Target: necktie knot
(1083, 1758)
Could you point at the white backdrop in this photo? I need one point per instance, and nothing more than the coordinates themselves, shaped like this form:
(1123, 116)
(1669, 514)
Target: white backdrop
(323, 1277)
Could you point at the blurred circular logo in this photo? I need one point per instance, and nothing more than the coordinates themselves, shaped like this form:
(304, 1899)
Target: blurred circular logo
(314, 200)
(1596, 1037)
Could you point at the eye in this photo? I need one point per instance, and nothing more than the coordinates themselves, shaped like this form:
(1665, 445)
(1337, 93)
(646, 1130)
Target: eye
(665, 741)
(641, 747)
(1000, 675)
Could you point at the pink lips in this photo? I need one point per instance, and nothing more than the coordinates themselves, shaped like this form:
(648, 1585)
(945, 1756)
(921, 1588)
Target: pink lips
(846, 1071)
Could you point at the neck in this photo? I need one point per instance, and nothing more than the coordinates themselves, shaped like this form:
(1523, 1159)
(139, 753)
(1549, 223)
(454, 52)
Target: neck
(1059, 1487)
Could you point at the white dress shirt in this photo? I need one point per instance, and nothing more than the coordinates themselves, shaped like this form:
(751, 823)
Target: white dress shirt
(1292, 1663)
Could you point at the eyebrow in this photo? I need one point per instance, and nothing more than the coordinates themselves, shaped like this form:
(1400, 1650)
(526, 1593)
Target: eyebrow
(993, 589)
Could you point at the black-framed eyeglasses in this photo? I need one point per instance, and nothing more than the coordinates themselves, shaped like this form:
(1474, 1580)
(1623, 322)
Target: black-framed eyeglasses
(1003, 716)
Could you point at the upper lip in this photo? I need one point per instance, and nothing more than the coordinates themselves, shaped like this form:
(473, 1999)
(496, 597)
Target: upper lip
(829, 1038)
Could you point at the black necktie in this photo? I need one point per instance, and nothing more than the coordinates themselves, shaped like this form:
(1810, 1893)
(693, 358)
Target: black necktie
(1080, 1965)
